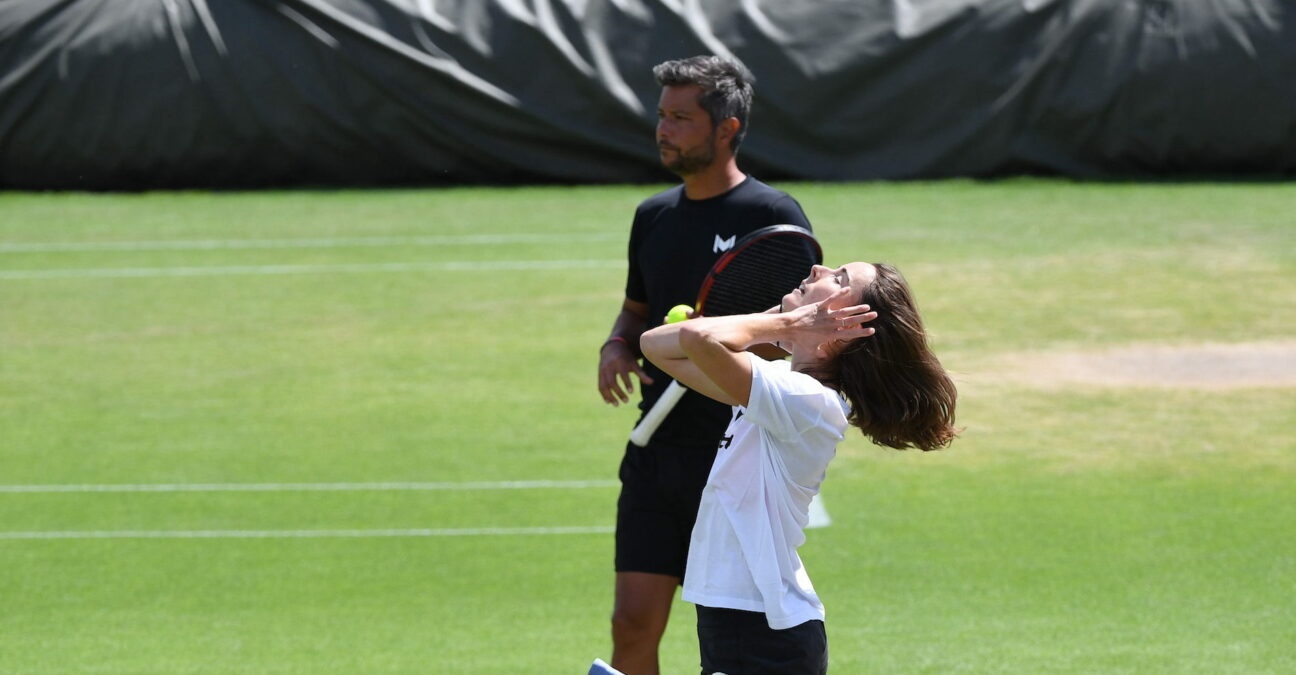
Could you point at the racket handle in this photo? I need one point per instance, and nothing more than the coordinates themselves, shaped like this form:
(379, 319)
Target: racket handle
(653, 419)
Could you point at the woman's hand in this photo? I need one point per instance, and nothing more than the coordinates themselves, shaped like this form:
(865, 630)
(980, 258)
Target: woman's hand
(820, 325)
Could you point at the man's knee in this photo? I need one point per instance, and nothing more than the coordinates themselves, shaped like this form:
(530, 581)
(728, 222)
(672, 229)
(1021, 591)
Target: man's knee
(631, 621)
(643, 604)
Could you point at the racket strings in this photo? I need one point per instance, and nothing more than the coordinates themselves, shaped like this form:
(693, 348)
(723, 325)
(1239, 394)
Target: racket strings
(760, 275)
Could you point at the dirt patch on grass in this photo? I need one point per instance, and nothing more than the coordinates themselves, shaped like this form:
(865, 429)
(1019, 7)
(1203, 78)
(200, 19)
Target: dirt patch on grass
(1203, 366)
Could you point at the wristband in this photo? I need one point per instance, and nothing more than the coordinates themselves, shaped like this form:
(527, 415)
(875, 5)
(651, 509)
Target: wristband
(615, 338)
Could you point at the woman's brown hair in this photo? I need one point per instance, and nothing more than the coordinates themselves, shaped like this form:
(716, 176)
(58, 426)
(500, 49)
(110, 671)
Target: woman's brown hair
(900, 395)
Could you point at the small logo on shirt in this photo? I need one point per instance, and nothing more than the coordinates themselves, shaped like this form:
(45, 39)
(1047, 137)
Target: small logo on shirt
(727, 440)
(722, 245)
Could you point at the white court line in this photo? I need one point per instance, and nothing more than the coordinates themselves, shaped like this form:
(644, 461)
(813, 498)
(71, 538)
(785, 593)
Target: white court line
(312, 487)
(237, 270)
(304, 534)
(322, 242)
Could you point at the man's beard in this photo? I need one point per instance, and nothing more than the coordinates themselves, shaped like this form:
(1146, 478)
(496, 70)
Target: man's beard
(687, 163)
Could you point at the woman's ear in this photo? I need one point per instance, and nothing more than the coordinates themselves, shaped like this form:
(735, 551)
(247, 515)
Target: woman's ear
(829, 349)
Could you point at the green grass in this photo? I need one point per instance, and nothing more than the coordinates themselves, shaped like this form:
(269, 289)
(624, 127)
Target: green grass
(1070, 530)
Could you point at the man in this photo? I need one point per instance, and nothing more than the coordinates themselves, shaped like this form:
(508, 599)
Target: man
(675, 238)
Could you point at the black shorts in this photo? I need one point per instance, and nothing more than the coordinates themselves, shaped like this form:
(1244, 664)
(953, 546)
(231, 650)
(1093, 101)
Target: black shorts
(735, 642)
(661, 486)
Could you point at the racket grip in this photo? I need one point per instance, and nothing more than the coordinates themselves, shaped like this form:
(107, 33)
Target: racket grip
(653, 419)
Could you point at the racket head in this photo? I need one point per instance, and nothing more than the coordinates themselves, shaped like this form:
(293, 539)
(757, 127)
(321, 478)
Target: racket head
(758, 271)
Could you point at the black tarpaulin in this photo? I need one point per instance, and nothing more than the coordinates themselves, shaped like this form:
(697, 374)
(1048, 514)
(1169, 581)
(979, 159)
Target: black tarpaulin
(131, 94)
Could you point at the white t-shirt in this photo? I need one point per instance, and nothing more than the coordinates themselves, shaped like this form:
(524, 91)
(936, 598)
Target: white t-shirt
(756, 502)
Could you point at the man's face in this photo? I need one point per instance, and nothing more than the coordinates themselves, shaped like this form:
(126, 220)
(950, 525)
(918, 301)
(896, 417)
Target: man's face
(686, 138)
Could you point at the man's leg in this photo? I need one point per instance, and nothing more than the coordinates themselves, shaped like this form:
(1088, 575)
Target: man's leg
(642, 607)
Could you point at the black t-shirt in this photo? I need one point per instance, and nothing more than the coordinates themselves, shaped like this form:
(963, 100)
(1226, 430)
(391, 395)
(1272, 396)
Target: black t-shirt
(674, 241)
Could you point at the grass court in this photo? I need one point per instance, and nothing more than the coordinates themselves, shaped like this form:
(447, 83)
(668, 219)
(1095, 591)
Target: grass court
(358, 432)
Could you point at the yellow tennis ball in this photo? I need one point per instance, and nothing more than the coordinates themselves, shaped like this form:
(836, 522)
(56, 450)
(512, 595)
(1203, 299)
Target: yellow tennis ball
(678, 313)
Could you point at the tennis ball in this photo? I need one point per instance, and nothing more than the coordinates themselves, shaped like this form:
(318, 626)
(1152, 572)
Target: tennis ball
(678, 313)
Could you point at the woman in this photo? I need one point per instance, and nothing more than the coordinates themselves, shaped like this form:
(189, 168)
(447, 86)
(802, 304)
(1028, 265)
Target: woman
(757, 610)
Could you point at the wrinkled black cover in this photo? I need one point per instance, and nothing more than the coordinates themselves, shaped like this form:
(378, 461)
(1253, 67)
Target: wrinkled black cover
(129, 94)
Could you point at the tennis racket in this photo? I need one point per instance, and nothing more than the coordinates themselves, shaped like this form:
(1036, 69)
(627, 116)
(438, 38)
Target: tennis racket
(751, 277)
